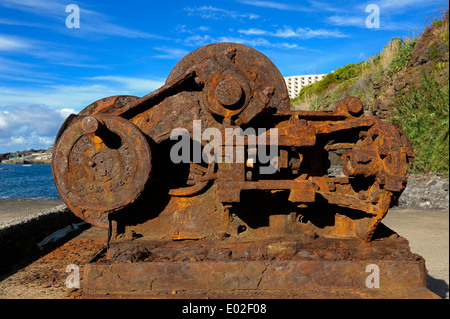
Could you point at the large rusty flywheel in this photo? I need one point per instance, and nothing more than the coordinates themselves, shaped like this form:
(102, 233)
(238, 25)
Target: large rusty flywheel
(236, 75)
(102, 163)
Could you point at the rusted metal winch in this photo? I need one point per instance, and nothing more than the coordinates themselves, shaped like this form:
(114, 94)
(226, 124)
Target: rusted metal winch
(310, 175)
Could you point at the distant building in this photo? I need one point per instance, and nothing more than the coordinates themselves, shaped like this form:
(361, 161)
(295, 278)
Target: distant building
(295, 83)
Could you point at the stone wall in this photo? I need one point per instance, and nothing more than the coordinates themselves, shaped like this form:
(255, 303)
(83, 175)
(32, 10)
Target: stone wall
(20, 236)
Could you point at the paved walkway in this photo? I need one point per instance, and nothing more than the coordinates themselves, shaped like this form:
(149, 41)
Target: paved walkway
(18, 208)
(428, 235)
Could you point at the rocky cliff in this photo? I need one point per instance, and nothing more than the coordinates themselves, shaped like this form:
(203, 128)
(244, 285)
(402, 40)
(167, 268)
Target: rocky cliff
(408, 83)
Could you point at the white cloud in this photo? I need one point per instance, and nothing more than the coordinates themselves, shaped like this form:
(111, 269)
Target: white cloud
(275, 5)
(29, 126)
(308, 33)
(253, 42)
(308, 6)
(289, 46)
(16, 71)
(253, 31)
(395, 8)
(398, 4)
(17, 140)
(312, 6)
(302, 33)
(3, 123)
(250, 42)
(210, 12)
(103, 27)
(41, 7)
(131, 83)
(20, 23)
(8, 43)
(26, 124)
(77, 97)
(354, 21)
(360, 22)
(56, 53)
(198, 40)
(170, 53)
(286, 32)
(25, 120)
(92, 23)
(58, 96)
(66, 112)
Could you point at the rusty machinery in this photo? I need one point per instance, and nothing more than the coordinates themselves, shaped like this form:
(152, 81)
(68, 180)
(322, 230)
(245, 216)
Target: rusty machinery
(112, 167)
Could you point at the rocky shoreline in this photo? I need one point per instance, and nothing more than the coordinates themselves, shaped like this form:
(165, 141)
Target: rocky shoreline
(425, 191)
(31, 156)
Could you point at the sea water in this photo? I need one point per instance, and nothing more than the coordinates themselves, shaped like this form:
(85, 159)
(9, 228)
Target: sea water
(27, 181)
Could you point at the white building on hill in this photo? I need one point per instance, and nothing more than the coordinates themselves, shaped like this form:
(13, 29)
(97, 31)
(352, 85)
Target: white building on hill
(296, 82)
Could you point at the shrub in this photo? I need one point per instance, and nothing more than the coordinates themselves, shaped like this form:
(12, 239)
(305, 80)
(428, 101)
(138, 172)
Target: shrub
(423, 114)
(435, 34)
(347, 72)
(402, 57)
(340, 75)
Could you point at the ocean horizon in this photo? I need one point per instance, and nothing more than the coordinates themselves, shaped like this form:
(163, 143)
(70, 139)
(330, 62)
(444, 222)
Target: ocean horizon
(27, 181)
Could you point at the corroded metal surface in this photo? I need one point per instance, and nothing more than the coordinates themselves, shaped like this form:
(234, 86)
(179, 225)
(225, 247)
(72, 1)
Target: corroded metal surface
(103, 164)
(266, 267)
(334, 174)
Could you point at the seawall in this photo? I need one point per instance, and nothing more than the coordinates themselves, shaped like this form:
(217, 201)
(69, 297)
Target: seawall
(19, 237)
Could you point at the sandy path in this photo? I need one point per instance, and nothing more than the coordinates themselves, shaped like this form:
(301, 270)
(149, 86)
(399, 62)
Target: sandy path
(428, 235)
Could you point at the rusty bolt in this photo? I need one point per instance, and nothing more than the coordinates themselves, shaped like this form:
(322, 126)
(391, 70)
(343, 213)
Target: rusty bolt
(355, 106)
(90, 124)
(350, 106)
(268, 91)
(228, 92)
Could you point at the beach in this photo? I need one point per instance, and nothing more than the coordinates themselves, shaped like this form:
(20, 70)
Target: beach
(19, 207)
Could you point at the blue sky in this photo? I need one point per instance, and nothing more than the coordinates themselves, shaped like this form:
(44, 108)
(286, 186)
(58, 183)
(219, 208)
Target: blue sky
(48, 71)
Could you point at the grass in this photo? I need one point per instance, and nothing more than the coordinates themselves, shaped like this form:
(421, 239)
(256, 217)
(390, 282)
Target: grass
(402, 56)
(423, 114)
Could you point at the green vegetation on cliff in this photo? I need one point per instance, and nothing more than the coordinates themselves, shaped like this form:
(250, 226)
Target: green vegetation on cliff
(407, 83)
(423, 115)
